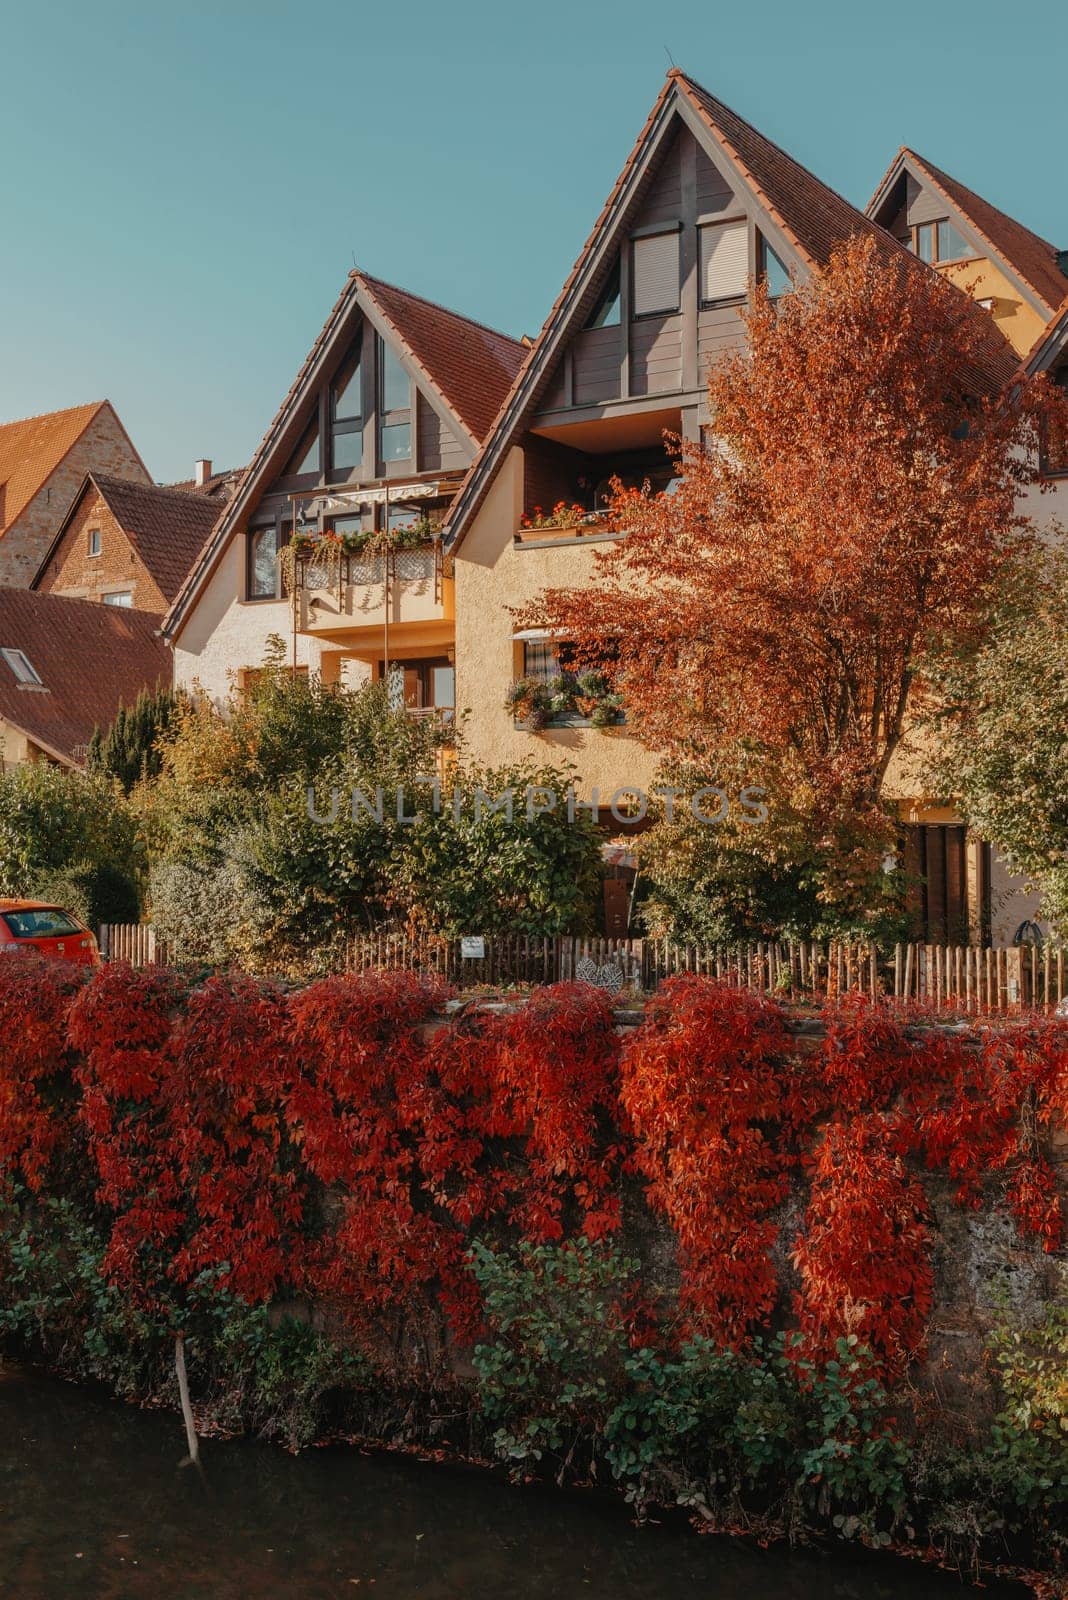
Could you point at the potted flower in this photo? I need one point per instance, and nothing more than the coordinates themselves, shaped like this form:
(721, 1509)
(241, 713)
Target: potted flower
(528, 700)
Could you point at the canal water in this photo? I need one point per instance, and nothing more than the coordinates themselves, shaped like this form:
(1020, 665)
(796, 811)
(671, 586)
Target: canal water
(93, 1504)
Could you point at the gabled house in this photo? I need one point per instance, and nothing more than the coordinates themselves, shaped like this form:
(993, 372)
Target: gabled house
(43, 460)
(368, 447)
(1018, 275)
(127, 544)
(705, 206)
(65, 668)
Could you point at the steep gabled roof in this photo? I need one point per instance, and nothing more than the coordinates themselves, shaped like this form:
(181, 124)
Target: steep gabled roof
(471, 366)
(1051, 343)
(812, 217)
(167, 527)
(1028, 258)
(466, 365)
(89, 658)
(31, 450)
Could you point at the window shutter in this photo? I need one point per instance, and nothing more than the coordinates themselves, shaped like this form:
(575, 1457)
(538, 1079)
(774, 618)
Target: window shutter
(656, 273)
(724, 260)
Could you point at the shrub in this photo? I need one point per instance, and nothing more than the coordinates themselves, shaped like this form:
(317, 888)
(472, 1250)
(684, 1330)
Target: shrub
(68, 832)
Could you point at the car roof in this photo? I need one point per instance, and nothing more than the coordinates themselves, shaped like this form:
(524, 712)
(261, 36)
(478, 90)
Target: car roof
(34, 905)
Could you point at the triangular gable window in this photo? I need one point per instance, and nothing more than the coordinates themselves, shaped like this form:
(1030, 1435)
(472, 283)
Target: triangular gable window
(606, 312)
(776, 276)
(305, 458)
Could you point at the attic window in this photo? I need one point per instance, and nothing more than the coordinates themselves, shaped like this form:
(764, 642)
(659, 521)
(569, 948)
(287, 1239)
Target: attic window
(395, 402)
(96, 541)
(305, 458)
(656, 273)
(724, 261)
(346, 415)
(22, 667)
(776, 276)
(605, 313)
(941, 241)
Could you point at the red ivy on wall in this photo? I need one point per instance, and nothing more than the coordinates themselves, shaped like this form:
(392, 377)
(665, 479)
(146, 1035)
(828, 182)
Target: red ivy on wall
(717, 1104)
(183, 1104)
(214, 1112)
(36, 1108)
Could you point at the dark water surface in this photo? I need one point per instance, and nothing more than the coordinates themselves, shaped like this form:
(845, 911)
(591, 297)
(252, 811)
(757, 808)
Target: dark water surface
(92, 1503)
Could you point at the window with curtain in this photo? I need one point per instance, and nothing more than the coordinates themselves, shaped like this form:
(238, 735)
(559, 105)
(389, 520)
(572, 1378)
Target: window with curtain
(655, 263)
(263, 563)
(541, 659)
(724, 261)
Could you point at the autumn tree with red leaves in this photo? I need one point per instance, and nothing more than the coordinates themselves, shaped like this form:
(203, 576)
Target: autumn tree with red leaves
(852, 509)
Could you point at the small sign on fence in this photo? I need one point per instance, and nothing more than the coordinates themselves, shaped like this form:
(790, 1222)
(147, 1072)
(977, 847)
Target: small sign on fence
(473, 947)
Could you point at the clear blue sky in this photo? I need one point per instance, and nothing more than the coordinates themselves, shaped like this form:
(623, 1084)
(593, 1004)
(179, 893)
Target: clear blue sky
(183, 187)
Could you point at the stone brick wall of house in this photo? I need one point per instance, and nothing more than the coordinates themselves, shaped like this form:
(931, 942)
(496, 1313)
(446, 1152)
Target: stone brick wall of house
(118, 567)
(103, 447)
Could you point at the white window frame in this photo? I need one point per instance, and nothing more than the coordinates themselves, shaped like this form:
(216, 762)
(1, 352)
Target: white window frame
(123, 598)
(23, 668)
(96, 542)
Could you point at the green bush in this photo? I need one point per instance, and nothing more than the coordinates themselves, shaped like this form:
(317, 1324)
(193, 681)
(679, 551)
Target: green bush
(66, 833)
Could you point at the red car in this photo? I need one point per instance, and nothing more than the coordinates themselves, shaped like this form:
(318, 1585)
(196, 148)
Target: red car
(51, 931)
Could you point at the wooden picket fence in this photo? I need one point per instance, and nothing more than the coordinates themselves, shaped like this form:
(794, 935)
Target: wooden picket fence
(966, 978)
(958, 977)
(133, 942)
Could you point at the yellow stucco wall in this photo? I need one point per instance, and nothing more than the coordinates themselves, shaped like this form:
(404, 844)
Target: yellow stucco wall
(1013, 316)
(493, 574)
(15, 747)
(223, 634)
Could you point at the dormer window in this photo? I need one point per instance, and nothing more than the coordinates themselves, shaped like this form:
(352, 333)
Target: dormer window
(937, 242)
(21, 665)
(655, 262)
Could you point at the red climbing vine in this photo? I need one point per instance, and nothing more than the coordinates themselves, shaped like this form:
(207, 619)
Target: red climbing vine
(349, 1140)
(717, 1103)
(36, 1104)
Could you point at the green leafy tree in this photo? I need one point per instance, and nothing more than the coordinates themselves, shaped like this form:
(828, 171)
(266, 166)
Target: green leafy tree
(71, 837)
(1001, 744)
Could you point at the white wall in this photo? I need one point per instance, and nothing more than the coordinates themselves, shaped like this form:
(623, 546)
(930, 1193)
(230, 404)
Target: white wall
(223, 633)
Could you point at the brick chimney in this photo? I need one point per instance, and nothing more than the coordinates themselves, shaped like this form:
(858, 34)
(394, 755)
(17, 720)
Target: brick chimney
(201, 473)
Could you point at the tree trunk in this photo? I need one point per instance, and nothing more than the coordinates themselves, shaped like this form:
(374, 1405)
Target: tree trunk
(187, 1409)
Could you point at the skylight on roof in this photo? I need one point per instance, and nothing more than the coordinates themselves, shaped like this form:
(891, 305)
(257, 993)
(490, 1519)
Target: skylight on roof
(22, 667)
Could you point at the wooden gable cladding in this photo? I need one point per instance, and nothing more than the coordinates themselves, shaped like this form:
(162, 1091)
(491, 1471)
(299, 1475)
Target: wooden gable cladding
(665, 333)
(348, 415)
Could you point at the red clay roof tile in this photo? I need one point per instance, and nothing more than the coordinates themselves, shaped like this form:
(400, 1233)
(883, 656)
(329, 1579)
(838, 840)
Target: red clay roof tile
(89, 657)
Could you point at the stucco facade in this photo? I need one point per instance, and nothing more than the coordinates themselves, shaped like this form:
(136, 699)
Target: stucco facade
(226, 634)
(495, 575)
